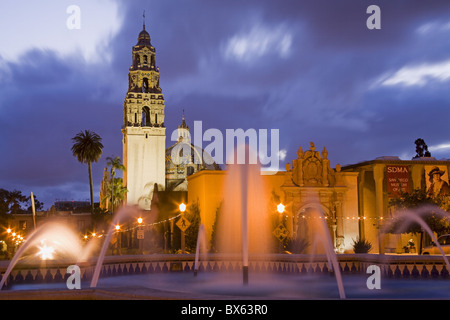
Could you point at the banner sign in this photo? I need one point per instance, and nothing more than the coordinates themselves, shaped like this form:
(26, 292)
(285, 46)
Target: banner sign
(397, 178)
(436, 178)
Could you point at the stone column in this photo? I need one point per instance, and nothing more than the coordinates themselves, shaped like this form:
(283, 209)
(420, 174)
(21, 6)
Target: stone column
(288, 198)
(378, 175)
(340, 222)
(325, 166)
(299, 167)
(361, 182)
(334, 225)
(294, 174)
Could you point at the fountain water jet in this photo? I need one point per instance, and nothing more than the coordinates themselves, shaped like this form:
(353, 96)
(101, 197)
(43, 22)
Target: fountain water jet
(410, 216)
(121, 213)
(244, 204)
(244, 226)
(201, 246)
(64, 242)
(324, 237)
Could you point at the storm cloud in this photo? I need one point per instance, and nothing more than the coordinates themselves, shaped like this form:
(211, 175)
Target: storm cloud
(311, 69)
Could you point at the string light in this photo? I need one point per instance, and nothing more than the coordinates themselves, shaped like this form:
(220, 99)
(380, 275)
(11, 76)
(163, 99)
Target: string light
(286, 216)
(346, 218)
(135, 227)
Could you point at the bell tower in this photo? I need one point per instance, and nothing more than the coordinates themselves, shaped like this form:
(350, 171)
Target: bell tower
(144, 133)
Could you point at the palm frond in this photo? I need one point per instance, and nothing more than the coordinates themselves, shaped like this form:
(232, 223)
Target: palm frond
(87, 146)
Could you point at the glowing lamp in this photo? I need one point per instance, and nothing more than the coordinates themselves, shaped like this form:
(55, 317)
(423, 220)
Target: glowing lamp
(46, 253)
(182, 207)
(280, 208)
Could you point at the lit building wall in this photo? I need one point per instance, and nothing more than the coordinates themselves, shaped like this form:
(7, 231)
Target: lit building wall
(144, 152)
(374, 196)
(335, 192)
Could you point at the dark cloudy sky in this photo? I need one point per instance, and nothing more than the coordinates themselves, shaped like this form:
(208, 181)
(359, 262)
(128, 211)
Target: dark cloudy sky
(311, 69)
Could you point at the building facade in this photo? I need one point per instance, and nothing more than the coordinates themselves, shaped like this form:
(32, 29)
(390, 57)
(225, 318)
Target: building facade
(183, 159)
(381, 180)
(310, 184)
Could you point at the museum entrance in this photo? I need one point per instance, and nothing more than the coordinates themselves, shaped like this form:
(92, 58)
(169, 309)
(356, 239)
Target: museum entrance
(313, 230)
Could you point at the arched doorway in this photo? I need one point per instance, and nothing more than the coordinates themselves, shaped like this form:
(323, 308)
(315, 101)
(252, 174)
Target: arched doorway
(310, 224)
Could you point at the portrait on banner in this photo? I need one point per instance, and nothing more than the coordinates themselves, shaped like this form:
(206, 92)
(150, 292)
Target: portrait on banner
(437, 181)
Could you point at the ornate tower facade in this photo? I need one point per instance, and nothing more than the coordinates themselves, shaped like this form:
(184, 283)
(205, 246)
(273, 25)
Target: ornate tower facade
(144, 133)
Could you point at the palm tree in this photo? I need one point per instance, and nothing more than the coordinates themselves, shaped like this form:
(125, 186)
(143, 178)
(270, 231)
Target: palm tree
(115, 164)
(116, 185)
(117, 192)
(87, 148)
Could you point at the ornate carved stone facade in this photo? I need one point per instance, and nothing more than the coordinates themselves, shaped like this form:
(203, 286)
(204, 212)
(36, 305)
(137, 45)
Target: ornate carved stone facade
(313, 184)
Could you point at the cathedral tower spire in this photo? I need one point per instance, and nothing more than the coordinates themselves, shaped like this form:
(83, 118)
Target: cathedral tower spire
(144, 133)
(143, 20)
(183, 131)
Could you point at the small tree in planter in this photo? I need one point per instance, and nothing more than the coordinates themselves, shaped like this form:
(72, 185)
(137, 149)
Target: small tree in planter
(298, 245)
(414, 200)
(361, 246)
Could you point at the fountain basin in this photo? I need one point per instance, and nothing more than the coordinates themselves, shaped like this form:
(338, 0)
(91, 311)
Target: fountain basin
(219, 286)
(274, 276)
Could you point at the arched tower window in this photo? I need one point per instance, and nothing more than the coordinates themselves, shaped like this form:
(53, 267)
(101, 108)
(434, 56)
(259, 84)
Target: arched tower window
(145, 116)
(145, 59)
(156, 118)
(137, 59)
(145, 85)
(153, 61)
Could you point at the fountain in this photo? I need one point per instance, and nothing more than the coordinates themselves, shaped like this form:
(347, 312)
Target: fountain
(53, 240)
(417, 215)
(245, 223)
(122, 212)
(245, 242)
(201, 246)
(323, 236)
(244, 227)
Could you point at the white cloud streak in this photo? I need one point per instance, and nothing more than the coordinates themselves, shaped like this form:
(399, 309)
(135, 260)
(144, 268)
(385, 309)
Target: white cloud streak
(43, 25)
(258, 42)
(418, 75)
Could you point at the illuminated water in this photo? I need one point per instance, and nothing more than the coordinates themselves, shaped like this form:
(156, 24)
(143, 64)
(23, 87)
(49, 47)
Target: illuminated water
(213, 285)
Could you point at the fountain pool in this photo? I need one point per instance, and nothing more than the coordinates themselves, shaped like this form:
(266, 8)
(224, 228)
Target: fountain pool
(216, 286)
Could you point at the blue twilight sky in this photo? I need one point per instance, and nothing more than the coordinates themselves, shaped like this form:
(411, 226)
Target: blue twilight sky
(309, 68)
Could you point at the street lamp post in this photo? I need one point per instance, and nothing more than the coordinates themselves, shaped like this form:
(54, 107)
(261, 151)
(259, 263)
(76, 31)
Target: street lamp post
(9, 248)
(118, 240)
(140, 236)
(280, 209)
(182, 208)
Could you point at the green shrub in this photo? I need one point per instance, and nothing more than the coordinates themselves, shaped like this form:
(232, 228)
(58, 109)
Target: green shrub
(298, 245)
(361, 246)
